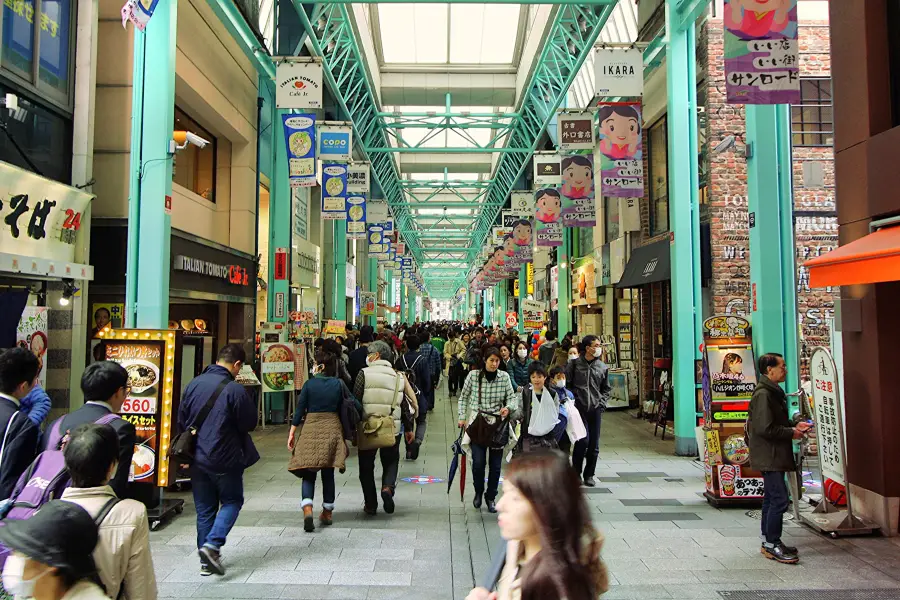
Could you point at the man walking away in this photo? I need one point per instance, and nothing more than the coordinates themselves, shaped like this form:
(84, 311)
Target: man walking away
(433, 356)
(771, 434)
(545, 353)
(105, 388)
(358, 357)
(417, 370)
(18, 374)
(454, 352)
(224, 451)
(587, 377)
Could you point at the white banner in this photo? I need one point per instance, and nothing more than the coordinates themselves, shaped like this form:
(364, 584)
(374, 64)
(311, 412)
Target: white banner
(547, 173)
(522, 203)
(298, 85)
(358, 178)
(829, 421)
(619, 72)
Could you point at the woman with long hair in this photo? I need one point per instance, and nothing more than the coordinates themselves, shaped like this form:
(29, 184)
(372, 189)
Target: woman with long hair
(553, 550)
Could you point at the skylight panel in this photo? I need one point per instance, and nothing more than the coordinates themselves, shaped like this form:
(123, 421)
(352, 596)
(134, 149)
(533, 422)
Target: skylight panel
(413, 33)
(483, 33)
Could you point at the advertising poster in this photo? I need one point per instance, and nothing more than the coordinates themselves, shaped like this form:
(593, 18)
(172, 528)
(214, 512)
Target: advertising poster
(334, 327)
(377, 248)
(547, 171)
(761, 52)
(143, 361)
(512, 319)
(619, 72)
(107, 314)
(356, 217)
(31, 334)
(367, 301)
(334, 191)
(584, 287)
(734, 485)
(729, 369)
(732, 371)
(277, 367)
(829, 420)
(300, 140)
(335, 142)
(548, 217)
(533, 314)
(621, 150)
(576, 131)
(577, 190)
(298, 84)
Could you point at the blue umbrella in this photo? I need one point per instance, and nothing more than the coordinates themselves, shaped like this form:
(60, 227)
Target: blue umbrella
(454, 464)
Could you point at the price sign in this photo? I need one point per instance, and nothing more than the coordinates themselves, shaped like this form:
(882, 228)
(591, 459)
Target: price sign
(139, 406)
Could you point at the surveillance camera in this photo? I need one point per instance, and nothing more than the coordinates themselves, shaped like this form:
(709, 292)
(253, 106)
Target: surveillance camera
(726, 143)
(196, 140)
(181, 139)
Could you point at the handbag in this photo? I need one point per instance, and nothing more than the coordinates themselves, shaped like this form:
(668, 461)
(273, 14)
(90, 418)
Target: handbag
(184, 446)
(379, 431)
(484, 433)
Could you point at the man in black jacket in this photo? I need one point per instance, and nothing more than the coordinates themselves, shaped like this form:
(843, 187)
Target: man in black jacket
(18, 373)
(771, 433)
(358, 357)
(105, 387)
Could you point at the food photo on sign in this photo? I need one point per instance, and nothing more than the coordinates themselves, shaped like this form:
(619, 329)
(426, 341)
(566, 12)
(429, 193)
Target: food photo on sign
(277, 367)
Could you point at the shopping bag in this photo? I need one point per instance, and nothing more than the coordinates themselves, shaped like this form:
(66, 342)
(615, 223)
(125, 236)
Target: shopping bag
(575, 428)
(544, 415)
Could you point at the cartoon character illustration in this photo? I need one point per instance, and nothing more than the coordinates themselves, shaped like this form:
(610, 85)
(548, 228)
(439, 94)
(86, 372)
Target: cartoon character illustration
(577, 177)
(499, 256)
(522, 232)
(509, 245)
(549, 204)
(756, 19)
(620, 125)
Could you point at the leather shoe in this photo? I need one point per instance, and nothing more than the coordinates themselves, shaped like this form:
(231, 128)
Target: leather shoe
(477, 502)
(780, 553)
(590, 482)
(492, 506)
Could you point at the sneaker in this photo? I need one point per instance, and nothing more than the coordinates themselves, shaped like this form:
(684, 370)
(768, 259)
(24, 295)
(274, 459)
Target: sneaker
(204, 570)
(590, 482)
(308, 525)
(212, 559)
(779, 553)
(326, 517)
(414, 450)
(387, 499)
(370, 510)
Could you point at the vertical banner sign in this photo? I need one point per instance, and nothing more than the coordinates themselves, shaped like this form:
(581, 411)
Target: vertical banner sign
(522, 203)
(136, 11)
(300, 140)
(619, 72)
(584, 286)
(299, 84)
(356, 216)
(334, 191)
(577, 190)
(576, 131)
(358, 178)
(367, 303)
(829, 420)
(376, 211)
(761, 52)
(280, 270)
(548, 215)
(547, 171)
(621, 150)
(376, 245)
(335, 142)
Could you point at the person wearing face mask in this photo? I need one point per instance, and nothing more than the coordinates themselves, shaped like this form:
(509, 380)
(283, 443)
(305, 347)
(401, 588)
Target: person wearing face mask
(518, 366)
(52, 555)
(122, 555)
(558, 383)
(588, 378)
(540, 412)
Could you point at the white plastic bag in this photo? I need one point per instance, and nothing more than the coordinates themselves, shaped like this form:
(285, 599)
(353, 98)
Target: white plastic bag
(544, 414)
(575, 428)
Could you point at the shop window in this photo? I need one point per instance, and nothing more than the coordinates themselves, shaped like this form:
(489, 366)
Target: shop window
(37, 139)
(812, 121)
(194, 168)
(41, 28)
(658, 153)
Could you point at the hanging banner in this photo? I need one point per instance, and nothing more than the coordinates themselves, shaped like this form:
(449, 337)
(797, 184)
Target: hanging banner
(136, 11)
(299, 84)
(619, 72)
(578, 207)
(548, 213)
(32, 334)
(300, 140)
(335, 142)
(584, 286)
(621, 150)
(761, 53)
(576, 131)
(376, 211)
(334, 191)
(367, 303)
(358, 178)
(356, 216)
(522, 204)
(829, 420)
(533, 314)
(547, 172)
(376, 243)
(401, 248)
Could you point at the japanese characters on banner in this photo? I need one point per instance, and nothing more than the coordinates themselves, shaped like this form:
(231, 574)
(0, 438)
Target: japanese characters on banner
(578, 206)
(547, 172)
(334, 191)
(335, 142)
(300, 140)
(522, 204)
(829, 420)
(761, 52)
(533, 314)
(358, 179)
(619, 72)
(377, 247)
(621, 150)
(367, 303)
(548, 216)
(298, 84)
(576, 131)
(356, 216)
(138, 12)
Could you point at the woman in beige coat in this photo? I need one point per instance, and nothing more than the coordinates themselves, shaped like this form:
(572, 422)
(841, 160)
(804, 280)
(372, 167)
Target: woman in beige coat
(122, 554)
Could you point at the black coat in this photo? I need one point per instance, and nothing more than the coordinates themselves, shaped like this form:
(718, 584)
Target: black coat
(20, 448)
(357, 362)
(770, 429)
(91, 413)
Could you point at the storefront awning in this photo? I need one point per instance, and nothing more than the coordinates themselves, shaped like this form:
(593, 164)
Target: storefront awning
(871, 259)
(648, 264)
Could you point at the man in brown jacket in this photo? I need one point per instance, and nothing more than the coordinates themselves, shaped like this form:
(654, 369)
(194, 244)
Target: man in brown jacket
(771, 433)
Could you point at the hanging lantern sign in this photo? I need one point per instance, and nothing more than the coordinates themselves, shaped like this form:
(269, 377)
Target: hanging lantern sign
(298, 84)
(619, 72)
(576, 131)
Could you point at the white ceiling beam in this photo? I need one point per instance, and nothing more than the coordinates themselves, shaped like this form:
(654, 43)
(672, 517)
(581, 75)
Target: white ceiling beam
(431, 88)
(454, 163)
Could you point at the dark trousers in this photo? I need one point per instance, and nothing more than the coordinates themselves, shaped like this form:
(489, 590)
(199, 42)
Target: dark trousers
(775, 504)
(218, 498)
(309, 487)
(455, 378)
(390, 462)
(589, 447)
(480, 456)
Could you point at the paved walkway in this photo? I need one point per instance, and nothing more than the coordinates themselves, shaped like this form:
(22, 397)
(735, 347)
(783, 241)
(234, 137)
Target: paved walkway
(663, 540)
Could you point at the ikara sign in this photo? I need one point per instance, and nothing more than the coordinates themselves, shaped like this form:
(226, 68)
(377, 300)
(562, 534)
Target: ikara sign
(334, 142)
(619, 72)
(299, 85)
(576, 131)
(829, 421)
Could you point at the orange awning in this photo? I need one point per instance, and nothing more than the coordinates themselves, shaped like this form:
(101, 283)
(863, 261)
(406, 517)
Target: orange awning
(871, 259)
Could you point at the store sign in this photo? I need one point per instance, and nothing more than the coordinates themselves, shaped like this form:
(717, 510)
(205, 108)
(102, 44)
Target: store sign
(358, 178)
(533, 314)
(522, 204)
(306, 262)
(619, 72)
(547, 170)
(300, 203)
(280, 269)
(335, 142)
(300, 143)
(576, 131)
(279, 305)
(298, 84)
(367, 303)
(377, 212)
(829, 420)
(234, 274)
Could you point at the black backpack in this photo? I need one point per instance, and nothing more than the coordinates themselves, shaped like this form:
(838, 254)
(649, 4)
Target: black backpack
(410, 374)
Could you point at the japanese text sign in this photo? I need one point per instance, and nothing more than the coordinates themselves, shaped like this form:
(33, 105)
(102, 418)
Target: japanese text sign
(619, 72)
(298, 85)
(829, 420)
(334, 191)
(576, 131)
(300, 139)
(621, 150)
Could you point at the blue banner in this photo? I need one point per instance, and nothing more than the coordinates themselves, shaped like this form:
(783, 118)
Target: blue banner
(300, 141)
(334, 191)
(356, 216)
(334, 142)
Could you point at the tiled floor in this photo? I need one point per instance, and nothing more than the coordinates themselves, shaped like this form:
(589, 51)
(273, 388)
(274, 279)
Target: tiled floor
(662, 539)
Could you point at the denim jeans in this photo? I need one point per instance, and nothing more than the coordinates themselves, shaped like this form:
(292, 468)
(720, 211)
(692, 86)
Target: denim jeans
(218, 498)
(390, 464)
(775, 504)
(588, 447)
(480, 456)
(421, 425)
(308, 489)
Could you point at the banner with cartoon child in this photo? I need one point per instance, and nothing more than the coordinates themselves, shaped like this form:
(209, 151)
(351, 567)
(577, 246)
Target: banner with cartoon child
(548, 217)
(621, 150)
(577, 190)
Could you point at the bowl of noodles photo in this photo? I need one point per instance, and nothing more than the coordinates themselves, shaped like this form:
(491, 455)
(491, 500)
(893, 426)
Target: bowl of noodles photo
(142, 375)
(278, 353)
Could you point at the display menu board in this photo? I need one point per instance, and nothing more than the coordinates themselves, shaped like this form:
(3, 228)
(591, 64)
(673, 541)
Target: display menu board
(278, 367)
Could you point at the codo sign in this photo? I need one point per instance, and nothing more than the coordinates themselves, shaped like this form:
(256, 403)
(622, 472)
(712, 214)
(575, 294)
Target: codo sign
(334, 143)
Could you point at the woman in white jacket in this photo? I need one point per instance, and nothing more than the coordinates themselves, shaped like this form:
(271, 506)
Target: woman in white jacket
(122, 554)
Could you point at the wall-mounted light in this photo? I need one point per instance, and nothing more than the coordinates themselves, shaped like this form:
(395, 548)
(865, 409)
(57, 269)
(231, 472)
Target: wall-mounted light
(69, 290)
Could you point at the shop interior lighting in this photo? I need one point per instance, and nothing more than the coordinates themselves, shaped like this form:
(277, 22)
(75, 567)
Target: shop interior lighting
(69, 290)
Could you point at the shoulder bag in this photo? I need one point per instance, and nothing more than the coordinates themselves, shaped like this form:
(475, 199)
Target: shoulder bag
(483, 432)
(379, 431)
(184, 446)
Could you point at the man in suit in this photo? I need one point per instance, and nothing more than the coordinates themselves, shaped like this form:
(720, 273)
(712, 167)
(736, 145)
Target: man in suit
(105, 387)
(18, 375)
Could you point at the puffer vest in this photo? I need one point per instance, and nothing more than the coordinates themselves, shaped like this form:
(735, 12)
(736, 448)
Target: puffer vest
(384, 391)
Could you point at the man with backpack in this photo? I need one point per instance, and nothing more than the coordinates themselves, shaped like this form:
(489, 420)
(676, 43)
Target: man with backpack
(223, 414)
(18, 373)
(415, 366)
(105, 387)
(433, 357)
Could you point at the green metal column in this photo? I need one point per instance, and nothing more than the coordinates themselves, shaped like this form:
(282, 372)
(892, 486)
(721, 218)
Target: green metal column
(563, 312)
(684, 218)
(411, 305)
(486, 309)
(773, 297)
(279, 219)
(502, 304)
(523, 294)
(339, 290)
(401, 316)
(153, 119)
